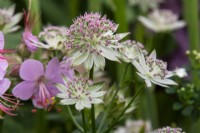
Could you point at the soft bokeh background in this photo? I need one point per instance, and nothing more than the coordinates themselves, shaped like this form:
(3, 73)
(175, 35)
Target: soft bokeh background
(171, 48)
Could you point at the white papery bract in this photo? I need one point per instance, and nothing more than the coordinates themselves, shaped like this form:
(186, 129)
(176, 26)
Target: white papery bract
(92, 38)
(52, 38)
(8, 20)
(153, 70)
(162, 21)
(180, 72)
(130, 50)
(81, 92)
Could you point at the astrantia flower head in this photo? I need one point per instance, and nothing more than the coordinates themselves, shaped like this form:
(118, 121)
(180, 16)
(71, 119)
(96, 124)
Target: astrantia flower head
(161, 21)
(38, 83)
(170, 130)
(81, 92)
(146, 4)
(52, 38)
(130, 50)
(8, 20)
(92, 38)
(135, 126)
(153, 70)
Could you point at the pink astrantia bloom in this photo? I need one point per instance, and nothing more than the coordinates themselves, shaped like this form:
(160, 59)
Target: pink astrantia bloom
(92, 38)
(38, 83)
(7, 102)
(28, 38)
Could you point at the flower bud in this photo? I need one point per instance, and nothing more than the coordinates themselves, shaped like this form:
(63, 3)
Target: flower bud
(23, 51)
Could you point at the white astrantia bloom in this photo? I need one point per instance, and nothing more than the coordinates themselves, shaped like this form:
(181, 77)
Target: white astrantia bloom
(52, 38)
(180, 72)
(146, 4)
(130, 50)
(81, 92)
(135, 126)
(8, 20)
(92, 38)
(153, 70)
(162, 20)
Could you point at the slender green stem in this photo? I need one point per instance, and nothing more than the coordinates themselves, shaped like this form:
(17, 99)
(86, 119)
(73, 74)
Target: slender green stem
(74, 120)
(41, 121)
(113, 98)
(93, 108)
(83, 119)
(122, 113)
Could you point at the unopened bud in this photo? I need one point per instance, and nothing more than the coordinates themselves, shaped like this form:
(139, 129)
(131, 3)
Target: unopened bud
(15, 70)
(23, 51)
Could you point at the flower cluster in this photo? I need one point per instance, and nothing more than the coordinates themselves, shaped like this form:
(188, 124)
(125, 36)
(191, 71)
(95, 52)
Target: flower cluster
(53, 38)
(8, 20)
(136, 126)
(81, 92)
(170, 130)
(130, 50)
(161, 21)
(92, 37)
(153, 70)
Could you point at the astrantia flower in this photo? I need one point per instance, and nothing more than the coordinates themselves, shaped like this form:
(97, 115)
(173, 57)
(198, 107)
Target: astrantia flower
(170, 130)
(38, 83)
(180, 72)
(146, 4)
(52, 38)
(130, 50)
(153, 70)
(28, 38)
(92, 38)
(81, 92)
(161, 21)
(135, 126)
(8, 20)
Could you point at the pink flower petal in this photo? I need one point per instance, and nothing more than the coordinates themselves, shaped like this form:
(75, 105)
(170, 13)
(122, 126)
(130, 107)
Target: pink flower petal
(1, 40)
(53, 70)
(29, 40)
(4, 85)
(31, 70)
(24, 90)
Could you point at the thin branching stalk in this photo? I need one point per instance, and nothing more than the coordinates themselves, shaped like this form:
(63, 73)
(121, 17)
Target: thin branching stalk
(83, 119)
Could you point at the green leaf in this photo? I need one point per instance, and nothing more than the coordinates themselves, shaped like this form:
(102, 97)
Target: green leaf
(177, 106)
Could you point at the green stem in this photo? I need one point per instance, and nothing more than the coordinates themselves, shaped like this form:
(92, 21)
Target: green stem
(93, 108)
(83, 119)
(122, 113)
(113, 98)
(191, 12)
(41, 121)
(74, 120)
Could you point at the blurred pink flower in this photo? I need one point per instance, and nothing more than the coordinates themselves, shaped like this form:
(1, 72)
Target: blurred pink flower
(38, 83)
(7, 102)
(27, 35)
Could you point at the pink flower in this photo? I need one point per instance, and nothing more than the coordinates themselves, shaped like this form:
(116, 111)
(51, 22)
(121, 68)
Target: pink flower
(65, 66)
(38, 83)
(28, 38)
(7, 102)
